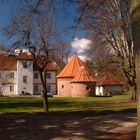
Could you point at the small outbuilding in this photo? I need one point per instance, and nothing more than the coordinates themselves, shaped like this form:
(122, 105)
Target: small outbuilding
(108, 84)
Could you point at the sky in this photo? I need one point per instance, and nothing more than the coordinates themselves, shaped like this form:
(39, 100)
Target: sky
(5, 14)
(76, 40)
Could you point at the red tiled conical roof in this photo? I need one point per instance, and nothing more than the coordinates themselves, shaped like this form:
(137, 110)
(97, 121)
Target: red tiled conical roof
(83, 76)
(71, 69)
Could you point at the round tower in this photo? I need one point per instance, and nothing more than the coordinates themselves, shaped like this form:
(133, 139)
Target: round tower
(83, 84)
(64, 86)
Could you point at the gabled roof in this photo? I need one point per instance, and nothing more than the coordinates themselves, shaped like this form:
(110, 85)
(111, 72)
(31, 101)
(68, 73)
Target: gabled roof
(24, 56)
(71, 69)
(108, 79)
(50, 67)
(7, 62)
(83, 76)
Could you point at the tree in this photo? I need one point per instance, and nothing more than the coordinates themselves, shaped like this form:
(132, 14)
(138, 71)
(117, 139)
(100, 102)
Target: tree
(135, 13)
(61, 53)
(111, 21)
(4, 80)
(102, 61)
(33, 25)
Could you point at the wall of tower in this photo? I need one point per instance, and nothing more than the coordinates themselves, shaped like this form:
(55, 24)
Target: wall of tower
(64, 87)
(83, 89)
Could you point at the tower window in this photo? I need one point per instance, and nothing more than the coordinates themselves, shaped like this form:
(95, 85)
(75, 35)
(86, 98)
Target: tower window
(24, 79)
(24, 64)
(11, 88)
(87, 88)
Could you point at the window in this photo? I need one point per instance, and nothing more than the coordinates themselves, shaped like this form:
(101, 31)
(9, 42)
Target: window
(87, 88)
(12, 75)
(48, 88)
(11, 88)
(48, 75)
(24, 64)
(24, 79)
(36, 87)
(35, 75)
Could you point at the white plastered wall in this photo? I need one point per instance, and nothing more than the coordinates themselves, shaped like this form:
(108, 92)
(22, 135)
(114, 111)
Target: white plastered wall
(50, 82)
(21, 86)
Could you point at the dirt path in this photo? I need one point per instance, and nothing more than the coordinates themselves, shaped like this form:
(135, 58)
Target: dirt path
(67, 127)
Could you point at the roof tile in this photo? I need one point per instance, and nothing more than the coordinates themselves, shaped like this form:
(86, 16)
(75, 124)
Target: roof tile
(108, 79)
(7, 62)
(83, 76)
(24, 56)
(71, 69)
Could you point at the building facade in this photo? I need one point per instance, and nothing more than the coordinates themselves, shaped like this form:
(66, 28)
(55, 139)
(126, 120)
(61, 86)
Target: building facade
(18, 75)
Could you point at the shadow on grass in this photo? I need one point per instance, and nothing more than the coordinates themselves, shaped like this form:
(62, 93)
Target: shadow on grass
(68, 125)
(57, 105)
(21, 104)
(97, 112)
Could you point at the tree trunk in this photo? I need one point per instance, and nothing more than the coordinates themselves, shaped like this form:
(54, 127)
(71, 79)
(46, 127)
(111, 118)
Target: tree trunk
(134, 92)
(45, 101)
(44, 93)
(138, 94)
(136, 39)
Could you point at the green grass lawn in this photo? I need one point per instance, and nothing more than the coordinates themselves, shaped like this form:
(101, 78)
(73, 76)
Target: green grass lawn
(59, 104)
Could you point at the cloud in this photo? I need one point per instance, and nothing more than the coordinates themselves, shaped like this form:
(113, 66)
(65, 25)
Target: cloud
(81, 45)
(83, 57)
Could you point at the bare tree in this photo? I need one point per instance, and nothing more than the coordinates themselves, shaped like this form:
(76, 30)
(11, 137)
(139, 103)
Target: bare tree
(5, 79)
(33, 25)
(100, 55)
(103, 60)
(111, 21)
(61, 53)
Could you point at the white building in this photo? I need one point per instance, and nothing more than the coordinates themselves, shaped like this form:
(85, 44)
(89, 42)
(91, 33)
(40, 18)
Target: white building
(18, 75)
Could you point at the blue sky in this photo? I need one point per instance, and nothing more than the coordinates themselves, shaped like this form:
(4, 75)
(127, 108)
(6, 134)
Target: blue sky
(64, 21)
(5, 12)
